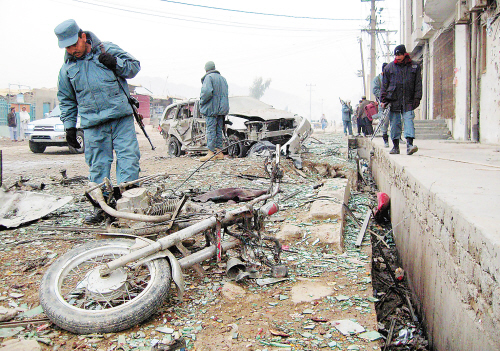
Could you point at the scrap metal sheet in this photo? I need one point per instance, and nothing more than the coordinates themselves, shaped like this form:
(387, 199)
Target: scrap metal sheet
(18, 207)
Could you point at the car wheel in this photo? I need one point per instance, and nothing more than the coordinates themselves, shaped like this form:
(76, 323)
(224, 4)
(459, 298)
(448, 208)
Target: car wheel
(174, 147)
(81, 141)
(37, 148)
(236, 148)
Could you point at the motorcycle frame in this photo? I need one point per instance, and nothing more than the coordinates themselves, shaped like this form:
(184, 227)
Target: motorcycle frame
(146, 250)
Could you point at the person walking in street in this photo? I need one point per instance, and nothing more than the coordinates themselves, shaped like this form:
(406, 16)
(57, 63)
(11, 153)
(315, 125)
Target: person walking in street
(361, 116)
(371, 109)
(377, 89)
(214, 105)
(91, 84)
(402, 88)
(24, 118)
(12, 123)
(346, 116)
(324, 122)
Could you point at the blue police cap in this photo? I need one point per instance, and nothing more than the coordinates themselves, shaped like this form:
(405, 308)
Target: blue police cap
(67, 33)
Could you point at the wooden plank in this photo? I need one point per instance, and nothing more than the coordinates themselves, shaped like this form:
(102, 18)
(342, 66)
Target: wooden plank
(362, 231)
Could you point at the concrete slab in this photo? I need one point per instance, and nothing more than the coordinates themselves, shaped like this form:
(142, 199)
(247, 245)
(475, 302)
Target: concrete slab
(445, 206)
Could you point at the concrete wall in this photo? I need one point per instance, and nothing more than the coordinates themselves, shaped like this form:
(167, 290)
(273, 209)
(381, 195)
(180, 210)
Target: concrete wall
(461, 81)
(452, 265)
(489, 123)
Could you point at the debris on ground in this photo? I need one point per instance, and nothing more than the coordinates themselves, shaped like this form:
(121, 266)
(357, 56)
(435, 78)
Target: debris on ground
(327, 285)
(18, 207)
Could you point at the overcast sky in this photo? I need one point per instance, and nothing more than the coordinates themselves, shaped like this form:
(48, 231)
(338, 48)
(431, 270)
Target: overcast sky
(309, 49)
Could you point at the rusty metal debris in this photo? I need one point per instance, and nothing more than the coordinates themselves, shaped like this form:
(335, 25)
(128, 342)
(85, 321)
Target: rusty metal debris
(65, 180)
(235, 194)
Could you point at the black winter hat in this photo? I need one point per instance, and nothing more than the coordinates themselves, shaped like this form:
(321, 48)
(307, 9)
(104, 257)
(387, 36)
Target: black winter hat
(400, 50)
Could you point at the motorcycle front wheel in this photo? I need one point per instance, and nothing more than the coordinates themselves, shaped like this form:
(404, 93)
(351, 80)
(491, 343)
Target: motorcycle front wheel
(75, 297)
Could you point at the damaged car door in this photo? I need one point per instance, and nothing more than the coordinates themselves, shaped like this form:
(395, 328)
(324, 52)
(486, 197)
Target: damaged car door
(183, 128)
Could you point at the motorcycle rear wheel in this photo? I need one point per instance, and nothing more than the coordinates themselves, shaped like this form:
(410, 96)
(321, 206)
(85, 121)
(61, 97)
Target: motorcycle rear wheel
(76, 298)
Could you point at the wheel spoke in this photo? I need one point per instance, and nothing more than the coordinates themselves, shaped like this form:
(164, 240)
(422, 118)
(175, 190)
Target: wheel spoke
(75, 290)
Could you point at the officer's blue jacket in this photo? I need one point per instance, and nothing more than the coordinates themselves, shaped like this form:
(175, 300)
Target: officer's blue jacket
(88, 88)
(214, 99)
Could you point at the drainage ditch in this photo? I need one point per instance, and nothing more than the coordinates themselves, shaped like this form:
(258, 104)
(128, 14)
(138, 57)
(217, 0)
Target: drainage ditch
(398, 320)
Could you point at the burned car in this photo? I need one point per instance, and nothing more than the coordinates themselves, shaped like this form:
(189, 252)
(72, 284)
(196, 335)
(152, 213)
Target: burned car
(249, 121)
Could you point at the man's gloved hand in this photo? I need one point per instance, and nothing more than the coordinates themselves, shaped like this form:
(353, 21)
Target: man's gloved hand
(71, 138)
(108, 60)
(416, 103)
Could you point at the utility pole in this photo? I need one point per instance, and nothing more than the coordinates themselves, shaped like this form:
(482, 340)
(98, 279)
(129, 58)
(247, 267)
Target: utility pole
(373, 45)
(310, 99)
(362, 64)
(373, 31)
(388, 43)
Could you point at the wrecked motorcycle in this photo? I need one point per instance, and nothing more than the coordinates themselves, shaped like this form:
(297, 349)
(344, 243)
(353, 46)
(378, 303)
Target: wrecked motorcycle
(110, 285)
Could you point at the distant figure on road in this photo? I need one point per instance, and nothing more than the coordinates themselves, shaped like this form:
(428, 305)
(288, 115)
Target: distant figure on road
(346, 116)
(402, 88)
(377, 89)
(361, 117)
(92, 83)
(24, 118)
(324, 122)
(371, 109)
(214, 105)
(12, 123)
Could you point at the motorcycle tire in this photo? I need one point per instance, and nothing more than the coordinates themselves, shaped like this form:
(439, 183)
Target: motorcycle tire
(77, 299)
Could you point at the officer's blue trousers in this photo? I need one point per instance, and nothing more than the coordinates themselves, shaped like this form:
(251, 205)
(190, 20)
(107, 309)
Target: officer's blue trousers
(100, 141)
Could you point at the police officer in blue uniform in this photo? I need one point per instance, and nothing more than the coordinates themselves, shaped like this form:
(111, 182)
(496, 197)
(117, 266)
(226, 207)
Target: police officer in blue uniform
(92, 84)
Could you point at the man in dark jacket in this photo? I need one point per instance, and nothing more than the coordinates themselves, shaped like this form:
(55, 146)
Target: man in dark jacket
(402, 88)
(214, 105)
(11, 121)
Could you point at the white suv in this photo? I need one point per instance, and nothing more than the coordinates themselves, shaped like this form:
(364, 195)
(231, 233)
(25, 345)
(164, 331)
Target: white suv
(50, 132)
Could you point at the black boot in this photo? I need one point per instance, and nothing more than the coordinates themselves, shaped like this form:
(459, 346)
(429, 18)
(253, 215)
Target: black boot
(386, 140)
(410, 148)
(395, 149)
(96, 217)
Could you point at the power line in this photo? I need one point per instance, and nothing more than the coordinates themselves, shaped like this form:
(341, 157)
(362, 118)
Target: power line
(203, 20)
(264, 14)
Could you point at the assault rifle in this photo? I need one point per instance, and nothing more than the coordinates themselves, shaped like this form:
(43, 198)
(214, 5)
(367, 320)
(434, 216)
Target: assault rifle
(134, 103)
(138, 117)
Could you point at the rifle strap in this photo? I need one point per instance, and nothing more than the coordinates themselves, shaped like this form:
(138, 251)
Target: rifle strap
(101, 46)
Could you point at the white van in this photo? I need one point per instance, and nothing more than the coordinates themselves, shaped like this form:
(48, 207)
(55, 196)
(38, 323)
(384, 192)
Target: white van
(49, 131)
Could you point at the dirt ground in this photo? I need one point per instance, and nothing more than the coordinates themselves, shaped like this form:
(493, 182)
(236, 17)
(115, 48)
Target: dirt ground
(323, 286)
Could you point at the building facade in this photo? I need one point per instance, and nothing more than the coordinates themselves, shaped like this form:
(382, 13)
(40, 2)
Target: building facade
(457, 43)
